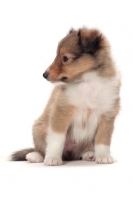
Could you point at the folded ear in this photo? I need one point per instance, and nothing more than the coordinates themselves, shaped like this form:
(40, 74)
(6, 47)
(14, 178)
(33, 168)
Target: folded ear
(90, 40)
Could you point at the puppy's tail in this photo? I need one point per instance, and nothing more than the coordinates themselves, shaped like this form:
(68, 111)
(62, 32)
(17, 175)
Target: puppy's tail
(20, 155)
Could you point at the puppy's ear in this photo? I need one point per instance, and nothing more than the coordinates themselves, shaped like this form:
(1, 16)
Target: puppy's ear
(71, 31)
(90, 41)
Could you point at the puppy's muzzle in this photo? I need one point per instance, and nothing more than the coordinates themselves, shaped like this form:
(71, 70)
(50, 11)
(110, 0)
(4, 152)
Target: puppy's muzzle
(45, 75)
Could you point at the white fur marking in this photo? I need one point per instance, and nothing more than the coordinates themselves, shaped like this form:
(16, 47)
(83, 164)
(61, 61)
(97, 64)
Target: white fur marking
(89, 156)
(84, 126)
(34, 157)
(102, 153)
(54, 149)
(94, 92)
(51, 161)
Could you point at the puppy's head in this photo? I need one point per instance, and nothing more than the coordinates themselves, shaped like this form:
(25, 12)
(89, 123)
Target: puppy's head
(80, 51)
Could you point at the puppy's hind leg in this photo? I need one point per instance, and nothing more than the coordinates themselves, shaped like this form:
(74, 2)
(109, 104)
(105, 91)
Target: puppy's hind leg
(34, 157)
(88, 156)
(39, 131)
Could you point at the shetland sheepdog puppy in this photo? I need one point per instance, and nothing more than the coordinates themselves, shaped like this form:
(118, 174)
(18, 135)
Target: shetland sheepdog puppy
(78, 120)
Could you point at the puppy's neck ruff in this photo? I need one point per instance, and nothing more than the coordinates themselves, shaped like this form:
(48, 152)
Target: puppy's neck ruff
(93, 92)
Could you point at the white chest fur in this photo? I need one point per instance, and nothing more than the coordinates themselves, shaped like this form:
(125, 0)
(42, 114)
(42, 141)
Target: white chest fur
(96, 96)
(84, 125)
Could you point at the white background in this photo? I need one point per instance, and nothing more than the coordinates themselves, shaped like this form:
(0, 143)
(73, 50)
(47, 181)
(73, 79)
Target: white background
(29, 33)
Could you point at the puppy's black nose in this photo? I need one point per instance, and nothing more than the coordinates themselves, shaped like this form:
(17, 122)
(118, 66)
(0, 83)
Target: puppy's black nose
(45, 75)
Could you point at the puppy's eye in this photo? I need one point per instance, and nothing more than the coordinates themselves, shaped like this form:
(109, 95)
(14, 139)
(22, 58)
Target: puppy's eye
(64, 58)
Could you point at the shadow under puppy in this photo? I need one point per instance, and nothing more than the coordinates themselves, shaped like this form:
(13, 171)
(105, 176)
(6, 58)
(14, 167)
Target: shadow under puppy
(78, 120)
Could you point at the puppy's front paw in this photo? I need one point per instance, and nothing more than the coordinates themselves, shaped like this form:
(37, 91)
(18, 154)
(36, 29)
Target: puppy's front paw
(104, 159)
(53, 161)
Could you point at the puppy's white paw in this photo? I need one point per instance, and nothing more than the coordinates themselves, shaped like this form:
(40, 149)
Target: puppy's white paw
(34, 157)
(53, 161)
(89, 156)
(104, 160)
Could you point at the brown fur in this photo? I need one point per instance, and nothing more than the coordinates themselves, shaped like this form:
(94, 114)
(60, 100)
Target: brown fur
(87, 50)
(20, 155)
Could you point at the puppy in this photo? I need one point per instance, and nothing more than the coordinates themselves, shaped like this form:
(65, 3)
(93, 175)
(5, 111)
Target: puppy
(78, 120)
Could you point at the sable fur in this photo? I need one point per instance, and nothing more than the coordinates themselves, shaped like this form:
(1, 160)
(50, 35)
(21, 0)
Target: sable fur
(87, 51)
(20, 155)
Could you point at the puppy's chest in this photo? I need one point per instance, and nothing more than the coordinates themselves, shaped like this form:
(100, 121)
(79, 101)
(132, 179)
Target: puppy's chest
(84, 125)
(91, 99)
(96, 95)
